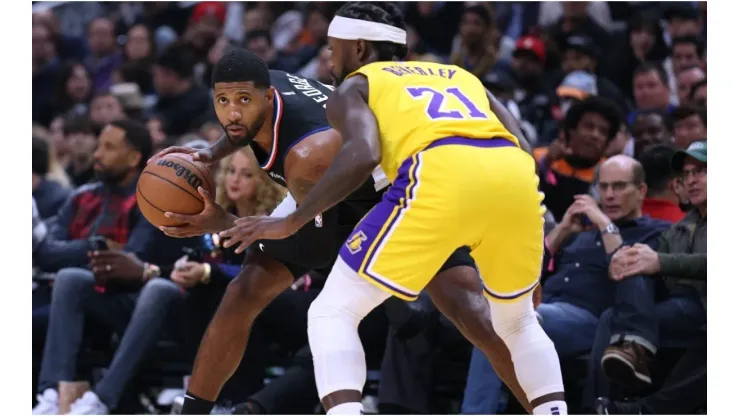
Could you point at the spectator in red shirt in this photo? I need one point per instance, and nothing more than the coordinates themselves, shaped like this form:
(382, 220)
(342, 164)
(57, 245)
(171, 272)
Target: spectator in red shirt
(661, 200)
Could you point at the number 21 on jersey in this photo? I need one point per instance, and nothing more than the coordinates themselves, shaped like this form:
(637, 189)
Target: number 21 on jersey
(437, 99)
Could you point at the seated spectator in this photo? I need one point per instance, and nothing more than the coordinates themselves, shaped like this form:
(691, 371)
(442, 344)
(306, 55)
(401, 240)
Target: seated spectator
(105, 108)
(679, 321)
(73, 91)
(45, 64)
(260, 42)
(80, 136)
(576, 86)
(577, 288)
(686, 52)
(651, 90)
(643, 43)
(685, 80)
(649, 128)
(104, 58)
(101, 282)
(478, 53)
(49, 195)
(183, 105)
(662, 197)
(534, 95)
(580, 54)
(567, 167)
(689, 125)
(576, 19)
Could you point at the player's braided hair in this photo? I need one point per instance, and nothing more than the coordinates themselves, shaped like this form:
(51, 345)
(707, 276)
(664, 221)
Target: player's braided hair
(385, 12)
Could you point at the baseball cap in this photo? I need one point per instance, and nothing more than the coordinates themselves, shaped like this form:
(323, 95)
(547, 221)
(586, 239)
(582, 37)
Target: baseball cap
(533, 45)
(209, 8)
(581, 43)
(697, 150)
(578, 85)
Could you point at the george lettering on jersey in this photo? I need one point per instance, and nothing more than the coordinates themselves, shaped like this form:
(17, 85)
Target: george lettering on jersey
(400, 71)
(302, 85)
(276, 176)
(182, 172)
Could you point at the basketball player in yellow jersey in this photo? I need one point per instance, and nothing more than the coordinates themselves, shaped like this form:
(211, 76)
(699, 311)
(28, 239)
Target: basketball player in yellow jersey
(460, 178)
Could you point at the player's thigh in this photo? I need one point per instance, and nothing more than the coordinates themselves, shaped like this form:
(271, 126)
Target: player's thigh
(509, 255)
(404, 240)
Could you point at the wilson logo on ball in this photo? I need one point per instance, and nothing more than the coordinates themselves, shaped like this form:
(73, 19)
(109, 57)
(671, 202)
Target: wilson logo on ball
(182, 172)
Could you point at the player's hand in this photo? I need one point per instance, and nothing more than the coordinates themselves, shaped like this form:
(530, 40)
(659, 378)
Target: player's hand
(247, 230)
(212, 219)
(198, 155)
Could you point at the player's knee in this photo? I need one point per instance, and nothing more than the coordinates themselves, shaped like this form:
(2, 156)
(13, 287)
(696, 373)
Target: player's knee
(252, 288)
(511, 318)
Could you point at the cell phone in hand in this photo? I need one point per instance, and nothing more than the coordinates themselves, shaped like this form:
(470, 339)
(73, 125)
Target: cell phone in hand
(99, 243)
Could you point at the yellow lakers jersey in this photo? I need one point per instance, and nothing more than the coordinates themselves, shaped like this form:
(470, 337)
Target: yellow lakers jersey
(417, 103)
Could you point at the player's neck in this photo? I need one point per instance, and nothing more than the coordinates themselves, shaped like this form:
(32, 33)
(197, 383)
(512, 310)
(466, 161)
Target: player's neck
(264, 136)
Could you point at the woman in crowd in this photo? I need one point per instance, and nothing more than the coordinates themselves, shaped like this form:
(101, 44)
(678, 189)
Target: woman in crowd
(73, 90)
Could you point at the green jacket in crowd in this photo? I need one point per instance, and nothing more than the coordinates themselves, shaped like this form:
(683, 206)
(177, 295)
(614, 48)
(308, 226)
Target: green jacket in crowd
(682, 251)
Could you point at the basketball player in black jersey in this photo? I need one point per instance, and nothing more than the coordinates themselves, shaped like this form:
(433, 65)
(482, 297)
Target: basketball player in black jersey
(282, 118)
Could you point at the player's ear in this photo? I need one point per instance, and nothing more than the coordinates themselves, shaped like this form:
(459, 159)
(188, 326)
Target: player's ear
(361, 49)
(270, 93)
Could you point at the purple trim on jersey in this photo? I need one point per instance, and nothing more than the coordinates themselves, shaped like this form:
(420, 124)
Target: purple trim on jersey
(486, 143)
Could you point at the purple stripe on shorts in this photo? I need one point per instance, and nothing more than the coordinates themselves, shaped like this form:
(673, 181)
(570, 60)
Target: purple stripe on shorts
(383, 213)
(515, 295)
(465, 141)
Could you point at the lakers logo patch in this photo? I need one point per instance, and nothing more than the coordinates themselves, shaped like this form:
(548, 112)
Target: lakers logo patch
(354, 244)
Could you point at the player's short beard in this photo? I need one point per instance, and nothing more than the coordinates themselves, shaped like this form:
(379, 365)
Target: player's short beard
(250, 131)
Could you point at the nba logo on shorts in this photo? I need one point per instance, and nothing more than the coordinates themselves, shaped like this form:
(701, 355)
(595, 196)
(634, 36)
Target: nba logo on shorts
(354, 244)
(318, 222)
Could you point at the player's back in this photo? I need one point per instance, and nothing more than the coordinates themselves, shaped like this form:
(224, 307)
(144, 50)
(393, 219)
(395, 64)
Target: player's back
(417, 103)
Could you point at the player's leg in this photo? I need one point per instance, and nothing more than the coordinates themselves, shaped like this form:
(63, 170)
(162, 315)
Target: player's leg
(509, 258)
(261, 279)
(394, 250)
(456, 292)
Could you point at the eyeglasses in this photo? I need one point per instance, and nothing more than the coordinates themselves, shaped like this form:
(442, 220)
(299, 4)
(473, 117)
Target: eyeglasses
(700, 171)
(618, 186)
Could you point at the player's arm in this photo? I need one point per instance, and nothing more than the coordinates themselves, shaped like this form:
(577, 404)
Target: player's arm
(225, 146)
(348, 113)
(307, 162)
(508, 120)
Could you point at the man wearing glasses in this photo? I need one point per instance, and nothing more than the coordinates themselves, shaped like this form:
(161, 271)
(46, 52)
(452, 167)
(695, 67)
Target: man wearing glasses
(681, 261)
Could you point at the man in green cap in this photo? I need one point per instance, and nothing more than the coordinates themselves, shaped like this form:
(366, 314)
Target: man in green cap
(681, 260)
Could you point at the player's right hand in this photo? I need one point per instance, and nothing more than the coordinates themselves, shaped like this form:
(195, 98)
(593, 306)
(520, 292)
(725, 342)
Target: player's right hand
(198, 155)
(212, 219)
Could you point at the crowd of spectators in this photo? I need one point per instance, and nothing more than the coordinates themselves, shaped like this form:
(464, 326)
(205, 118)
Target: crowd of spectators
(612, 97)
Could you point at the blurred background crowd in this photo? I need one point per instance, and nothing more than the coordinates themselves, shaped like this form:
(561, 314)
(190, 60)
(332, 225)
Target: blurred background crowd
(612, 96)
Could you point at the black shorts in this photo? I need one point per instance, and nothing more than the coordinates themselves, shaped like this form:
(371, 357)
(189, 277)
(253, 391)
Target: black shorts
(316, 245)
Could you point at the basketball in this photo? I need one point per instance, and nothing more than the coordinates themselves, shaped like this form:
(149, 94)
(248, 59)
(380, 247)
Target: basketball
(170, 184)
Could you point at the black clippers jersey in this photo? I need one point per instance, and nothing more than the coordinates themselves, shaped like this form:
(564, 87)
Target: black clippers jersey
(300, 111)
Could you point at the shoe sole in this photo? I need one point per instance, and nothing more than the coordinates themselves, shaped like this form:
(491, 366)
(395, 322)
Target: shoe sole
(620, 369)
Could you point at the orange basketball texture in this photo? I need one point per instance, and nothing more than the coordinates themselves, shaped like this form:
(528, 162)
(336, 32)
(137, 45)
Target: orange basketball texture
(170, 184)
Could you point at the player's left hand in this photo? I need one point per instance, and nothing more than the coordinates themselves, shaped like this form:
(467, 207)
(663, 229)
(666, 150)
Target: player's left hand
(247, 230)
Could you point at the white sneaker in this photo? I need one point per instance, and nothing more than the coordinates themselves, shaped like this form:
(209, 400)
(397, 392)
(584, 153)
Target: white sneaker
(48, 403)
(88, 404)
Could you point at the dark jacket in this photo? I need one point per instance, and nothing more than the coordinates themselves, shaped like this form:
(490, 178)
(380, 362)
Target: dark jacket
(682, 251)
(50, 196)
(579, 273)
